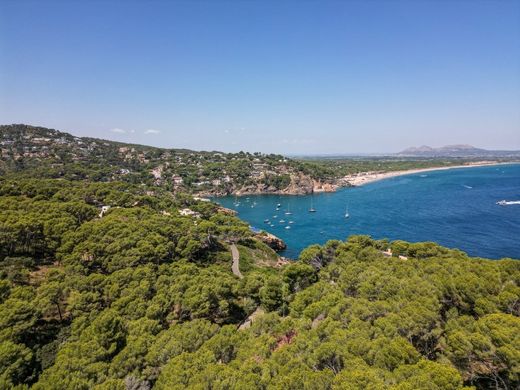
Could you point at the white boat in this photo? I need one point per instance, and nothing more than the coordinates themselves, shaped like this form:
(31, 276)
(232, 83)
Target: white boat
(288, 212)
(312, 209)
(347, 215)
(287, 227)
(282, 221)
(508, 202)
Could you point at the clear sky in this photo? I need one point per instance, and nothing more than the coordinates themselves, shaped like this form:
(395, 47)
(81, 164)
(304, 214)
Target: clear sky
(270, 76)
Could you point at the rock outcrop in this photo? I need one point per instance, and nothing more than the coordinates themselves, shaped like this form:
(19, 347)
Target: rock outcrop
(226, 211)
(301, 184)
(318, 186)
(271, 240)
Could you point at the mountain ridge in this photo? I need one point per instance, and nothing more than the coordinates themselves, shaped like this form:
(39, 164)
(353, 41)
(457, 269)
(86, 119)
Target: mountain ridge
(456, 150)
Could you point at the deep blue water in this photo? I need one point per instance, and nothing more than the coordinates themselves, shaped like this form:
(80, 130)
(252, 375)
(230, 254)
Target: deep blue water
(455, 208)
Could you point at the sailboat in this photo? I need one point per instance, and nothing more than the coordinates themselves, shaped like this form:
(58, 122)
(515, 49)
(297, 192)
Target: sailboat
(288, 212)
(312, 209)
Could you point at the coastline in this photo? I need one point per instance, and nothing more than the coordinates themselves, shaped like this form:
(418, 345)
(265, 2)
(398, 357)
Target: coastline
(353, 180)
(360, 179)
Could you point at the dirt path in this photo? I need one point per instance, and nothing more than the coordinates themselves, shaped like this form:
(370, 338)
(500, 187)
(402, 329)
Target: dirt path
(236, 260)
(249, 320)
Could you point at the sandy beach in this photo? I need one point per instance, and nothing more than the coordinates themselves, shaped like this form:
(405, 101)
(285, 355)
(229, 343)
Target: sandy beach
(363, 178)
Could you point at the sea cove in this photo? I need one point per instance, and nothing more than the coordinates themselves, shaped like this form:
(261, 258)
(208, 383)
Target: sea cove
(455, 208)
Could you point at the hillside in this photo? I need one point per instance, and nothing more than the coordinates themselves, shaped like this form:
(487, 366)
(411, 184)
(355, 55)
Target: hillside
(54, 154)
(40, 152)
(139, 296)
(115, 285)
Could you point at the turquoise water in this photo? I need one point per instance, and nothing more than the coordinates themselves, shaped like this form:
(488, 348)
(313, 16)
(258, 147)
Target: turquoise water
(456, 208)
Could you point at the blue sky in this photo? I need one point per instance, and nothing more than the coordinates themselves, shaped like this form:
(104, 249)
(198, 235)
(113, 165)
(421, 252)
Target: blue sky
(281, 76)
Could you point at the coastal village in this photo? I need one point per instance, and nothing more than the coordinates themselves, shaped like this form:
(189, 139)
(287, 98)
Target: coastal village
(179, 170)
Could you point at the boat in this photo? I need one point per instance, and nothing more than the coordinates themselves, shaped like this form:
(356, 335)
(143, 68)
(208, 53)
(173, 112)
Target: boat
(507, 202)
(266, 221)
(347, 215)
(275, 216)
(288, 212)
(291, 222)
(279, 205)
(287, 227)
(282, 221)
(312, 209)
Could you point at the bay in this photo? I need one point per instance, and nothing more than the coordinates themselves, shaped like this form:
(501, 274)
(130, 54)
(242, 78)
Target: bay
(455, 208)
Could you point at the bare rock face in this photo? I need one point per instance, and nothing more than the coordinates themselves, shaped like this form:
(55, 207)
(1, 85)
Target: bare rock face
(300, 185)
(226, 211)
(323, 187)
(272, 241)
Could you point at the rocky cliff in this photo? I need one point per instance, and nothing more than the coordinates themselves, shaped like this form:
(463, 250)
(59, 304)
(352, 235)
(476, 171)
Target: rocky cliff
(300, 184)
(271, 240)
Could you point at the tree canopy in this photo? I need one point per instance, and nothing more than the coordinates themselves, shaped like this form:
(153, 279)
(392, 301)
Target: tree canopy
(141, 297)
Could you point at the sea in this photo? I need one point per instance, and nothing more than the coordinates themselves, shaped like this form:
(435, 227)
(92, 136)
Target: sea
(456, 208)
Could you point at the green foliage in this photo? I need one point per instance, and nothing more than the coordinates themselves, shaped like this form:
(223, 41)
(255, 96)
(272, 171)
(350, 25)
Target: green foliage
(279, 182)
(37, 152)
(15, 363)
(143, 297)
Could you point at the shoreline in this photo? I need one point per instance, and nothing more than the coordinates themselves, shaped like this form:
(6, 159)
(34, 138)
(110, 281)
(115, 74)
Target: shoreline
(355, 180)
(363, 178)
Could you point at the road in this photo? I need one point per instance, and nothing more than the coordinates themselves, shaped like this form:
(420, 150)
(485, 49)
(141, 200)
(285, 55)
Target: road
(236, 261)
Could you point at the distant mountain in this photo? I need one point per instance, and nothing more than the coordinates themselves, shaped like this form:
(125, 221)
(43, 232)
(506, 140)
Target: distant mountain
(456, 151)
